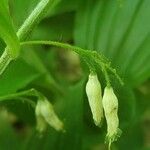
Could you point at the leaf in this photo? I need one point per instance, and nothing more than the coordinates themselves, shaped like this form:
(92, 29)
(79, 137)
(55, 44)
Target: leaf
(32, 59)
(65, 6)
(59, 28)
(7, 32)
(132, 138)
(23, 111)
(7, 134)
(25, 7)
(119, 32)
(72, 112)
(127, 106)
(21, 9)
(18, 75)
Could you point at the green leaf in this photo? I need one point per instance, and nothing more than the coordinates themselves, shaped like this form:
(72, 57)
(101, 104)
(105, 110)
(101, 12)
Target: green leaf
(132, 138)
(127, 106)
(120, 32)
(7, 32)
(18, 75)
(72, 112)
(25, 7)
(65, 6)
(21, 9)
(59, 28)
(21, 109)
(8, 134)
(32, 59)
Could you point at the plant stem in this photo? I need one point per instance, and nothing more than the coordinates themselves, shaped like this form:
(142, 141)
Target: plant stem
(34, 18)
(19, 96)
(115, 73)
(78, 50)
(106, 76)
(4, 60)
(25, 29)
(99, 59)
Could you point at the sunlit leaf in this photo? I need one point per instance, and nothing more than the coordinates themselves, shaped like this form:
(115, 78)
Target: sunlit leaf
(7, 32)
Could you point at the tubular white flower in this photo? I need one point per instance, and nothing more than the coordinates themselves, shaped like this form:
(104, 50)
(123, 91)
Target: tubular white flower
(110, 105)
(94, 94)
(45, 114)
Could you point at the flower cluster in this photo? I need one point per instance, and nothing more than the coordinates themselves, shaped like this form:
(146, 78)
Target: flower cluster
(108, 103)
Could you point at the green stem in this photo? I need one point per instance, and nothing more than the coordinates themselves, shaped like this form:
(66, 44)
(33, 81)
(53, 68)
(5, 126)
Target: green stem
(108, 67)
(34, 18)
(78, 50)
(81, 52)
(25, 29)
(115, 74)
(4, 61)
(99, 59)
(106, 76)
(19, 96)
(23, 99)
(103, 68)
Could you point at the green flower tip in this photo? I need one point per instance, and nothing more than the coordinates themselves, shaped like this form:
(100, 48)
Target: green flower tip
(112, 138)
(99, 123)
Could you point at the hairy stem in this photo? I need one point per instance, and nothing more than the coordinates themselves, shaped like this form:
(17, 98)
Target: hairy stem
(98, 58)
(76, 49)
(25, 29)
(20, 96)
(4, 61)
(34, 18)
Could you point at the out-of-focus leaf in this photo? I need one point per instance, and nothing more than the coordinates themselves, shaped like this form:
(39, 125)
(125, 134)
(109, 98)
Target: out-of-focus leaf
(65, 6)
(32, 59)
(127, 106)
(131, 138)
(21, 109)
(72, 112)
(25, 7)
(21, 9)
(8, 138)
(120, 32)
(7, 32)
(59, 28)
(17, 76)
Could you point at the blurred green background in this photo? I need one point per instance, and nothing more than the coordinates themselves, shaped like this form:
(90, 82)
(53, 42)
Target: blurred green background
(120, 29)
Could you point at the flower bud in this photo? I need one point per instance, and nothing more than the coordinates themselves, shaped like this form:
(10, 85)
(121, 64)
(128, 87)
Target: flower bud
(45, 114)
(93, 91)
(110, 105)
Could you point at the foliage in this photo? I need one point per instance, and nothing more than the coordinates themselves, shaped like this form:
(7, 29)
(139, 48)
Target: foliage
(119, 33)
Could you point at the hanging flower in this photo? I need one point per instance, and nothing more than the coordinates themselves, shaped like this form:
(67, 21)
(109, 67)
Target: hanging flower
(110, 105)
(45, 114)
(93, 91)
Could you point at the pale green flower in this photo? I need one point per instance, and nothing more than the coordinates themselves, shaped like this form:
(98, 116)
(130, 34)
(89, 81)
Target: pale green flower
(45, 114)
(110, 105)
(94, 94)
